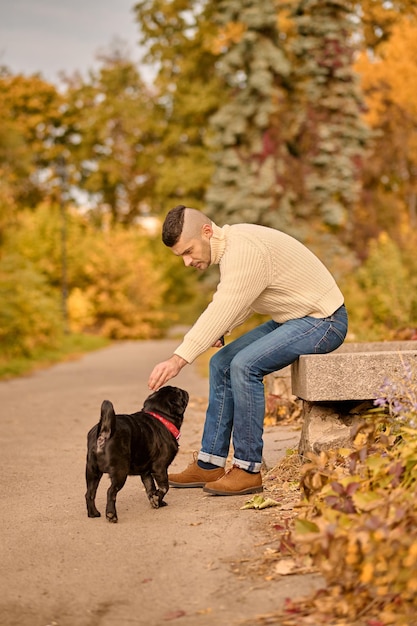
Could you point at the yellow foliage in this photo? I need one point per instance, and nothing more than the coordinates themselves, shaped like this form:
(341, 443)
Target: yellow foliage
(116, 281)
(367, 555)
(229, 34)
(392, 75)
(285, 22)
(80, 310)
(412, 585)
(123, 298)
(413, 550)
(381, 294)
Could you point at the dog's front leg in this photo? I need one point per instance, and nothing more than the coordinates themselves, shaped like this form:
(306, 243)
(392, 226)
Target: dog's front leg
(117, 482)
(152, 492)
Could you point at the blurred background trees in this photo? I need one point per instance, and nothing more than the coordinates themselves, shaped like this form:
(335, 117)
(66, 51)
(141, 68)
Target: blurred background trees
(296, 114)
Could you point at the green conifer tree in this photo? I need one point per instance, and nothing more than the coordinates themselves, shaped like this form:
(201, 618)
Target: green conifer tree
(289, 138)
(330, 135)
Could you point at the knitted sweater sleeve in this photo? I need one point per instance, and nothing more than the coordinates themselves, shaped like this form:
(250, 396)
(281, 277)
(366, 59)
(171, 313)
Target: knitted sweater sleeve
(244, 274)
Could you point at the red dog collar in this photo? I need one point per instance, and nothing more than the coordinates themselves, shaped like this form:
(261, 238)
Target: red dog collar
(172, 429)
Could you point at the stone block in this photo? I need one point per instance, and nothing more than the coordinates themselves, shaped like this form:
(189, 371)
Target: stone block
(328, 426)
(355, 371)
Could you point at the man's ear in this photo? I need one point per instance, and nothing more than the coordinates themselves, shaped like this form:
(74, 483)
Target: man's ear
(207, 231)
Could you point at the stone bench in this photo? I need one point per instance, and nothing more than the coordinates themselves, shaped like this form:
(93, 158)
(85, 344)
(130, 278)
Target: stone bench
(336, 387)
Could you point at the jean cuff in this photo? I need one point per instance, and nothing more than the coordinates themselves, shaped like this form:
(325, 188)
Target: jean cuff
(249, 466)
(211, 458)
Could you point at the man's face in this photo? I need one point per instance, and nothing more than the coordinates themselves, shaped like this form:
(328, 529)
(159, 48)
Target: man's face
(195, 252)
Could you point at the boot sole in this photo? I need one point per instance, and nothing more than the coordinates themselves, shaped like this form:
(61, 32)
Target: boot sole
(243, 492)
(185, 485)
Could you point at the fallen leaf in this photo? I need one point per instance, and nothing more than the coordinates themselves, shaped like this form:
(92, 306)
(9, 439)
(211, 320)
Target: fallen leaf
(259, 502)
(285, 567)
(268, 502)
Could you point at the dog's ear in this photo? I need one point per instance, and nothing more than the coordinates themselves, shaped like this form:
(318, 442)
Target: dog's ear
(178, 399)
(150, 402)
(169, 400)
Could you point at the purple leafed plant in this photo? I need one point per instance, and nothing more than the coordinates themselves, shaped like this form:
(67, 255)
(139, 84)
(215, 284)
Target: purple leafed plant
(398, 395)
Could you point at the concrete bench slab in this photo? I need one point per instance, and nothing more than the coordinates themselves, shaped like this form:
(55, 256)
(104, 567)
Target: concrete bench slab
(355, 371)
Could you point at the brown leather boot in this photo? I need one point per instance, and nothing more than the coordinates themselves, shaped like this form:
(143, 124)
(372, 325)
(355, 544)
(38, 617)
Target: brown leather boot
(236, 482)
(194, 476)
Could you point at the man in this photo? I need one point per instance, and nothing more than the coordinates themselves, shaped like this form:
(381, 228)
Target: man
(261, 270)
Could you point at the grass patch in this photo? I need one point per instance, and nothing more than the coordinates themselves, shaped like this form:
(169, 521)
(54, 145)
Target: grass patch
(71, 347)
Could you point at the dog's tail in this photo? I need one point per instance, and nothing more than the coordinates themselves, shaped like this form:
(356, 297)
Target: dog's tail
(106, 425)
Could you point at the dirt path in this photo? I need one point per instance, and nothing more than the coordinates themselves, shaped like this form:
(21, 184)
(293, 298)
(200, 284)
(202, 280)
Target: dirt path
(60, 568)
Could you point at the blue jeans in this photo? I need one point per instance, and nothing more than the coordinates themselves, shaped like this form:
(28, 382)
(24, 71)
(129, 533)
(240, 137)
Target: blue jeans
(236, 395)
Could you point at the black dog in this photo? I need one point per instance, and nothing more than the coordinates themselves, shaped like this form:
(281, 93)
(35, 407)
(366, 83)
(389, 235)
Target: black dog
(142, 444)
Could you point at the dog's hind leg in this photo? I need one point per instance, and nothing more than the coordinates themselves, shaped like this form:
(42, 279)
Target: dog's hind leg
(156, 496)
(93, 476)
(118, 480)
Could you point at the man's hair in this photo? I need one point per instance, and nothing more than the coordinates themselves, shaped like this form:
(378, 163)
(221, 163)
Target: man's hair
(173, 225)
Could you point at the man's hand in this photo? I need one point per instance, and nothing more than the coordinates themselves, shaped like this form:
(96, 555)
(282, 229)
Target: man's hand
(219, 343)
(164, 371)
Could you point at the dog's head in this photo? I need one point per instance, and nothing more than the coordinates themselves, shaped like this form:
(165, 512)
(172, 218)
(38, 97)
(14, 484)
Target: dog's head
(170, 402)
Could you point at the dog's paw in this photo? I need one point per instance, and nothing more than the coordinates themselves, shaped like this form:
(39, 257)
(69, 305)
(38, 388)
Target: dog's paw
(94, 513)
(112, 518)
(156, 501)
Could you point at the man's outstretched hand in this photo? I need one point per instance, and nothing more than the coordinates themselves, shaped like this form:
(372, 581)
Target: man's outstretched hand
(163, 372)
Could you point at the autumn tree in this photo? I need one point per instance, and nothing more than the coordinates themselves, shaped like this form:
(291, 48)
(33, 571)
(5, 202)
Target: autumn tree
(30, 316)
(122, 293)
(383, 291)
(177, 35)
(30, 121)
(116, 280)
(376, 19)
(110, 139)
(389, 80)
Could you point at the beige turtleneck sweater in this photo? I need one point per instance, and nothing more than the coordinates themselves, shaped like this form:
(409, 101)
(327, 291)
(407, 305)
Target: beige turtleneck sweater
(262, 270)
